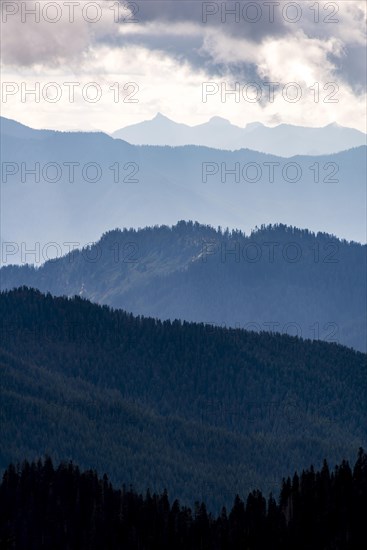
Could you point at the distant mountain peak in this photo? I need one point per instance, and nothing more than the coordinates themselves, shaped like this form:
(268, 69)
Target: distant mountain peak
(252, 125)
(161, 117)
(219, 120)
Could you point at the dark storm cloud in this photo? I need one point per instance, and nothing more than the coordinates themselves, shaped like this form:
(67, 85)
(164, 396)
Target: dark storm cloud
(243, 23)
(179, 28)
(351, 67)
(190, 49)
(203, 16)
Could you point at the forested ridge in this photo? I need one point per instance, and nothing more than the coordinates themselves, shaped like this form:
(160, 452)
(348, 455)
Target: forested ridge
(278, 278)
(190, 407)
(59, 508)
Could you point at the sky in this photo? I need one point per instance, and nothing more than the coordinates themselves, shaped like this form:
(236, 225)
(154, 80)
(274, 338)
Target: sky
(104, 65)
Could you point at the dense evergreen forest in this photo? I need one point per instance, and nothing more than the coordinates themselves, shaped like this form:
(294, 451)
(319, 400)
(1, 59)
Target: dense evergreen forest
(278, 278)
(203, 411)
(43, 507)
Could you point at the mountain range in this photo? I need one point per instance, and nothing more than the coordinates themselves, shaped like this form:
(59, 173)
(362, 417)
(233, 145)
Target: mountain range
(202, 411)
(61, 188)
(186, 356)
(278, 278)
(284, 140)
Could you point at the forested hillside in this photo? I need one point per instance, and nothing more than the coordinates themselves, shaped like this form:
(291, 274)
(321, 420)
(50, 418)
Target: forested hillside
(44, 507)
(190, 407)
(278, 278)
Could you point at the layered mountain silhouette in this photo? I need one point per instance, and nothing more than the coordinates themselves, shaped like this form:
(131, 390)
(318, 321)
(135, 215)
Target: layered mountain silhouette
(277, 279)
(284, 140)
(61, 187)
(204, 412)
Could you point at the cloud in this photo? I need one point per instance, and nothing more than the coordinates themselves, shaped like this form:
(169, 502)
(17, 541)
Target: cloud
(350, 66)
(187, 30)
(56, 36)
(172, 49)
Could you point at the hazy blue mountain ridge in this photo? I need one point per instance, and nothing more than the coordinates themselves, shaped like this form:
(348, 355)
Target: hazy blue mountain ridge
(284, 140)
(86, 183)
